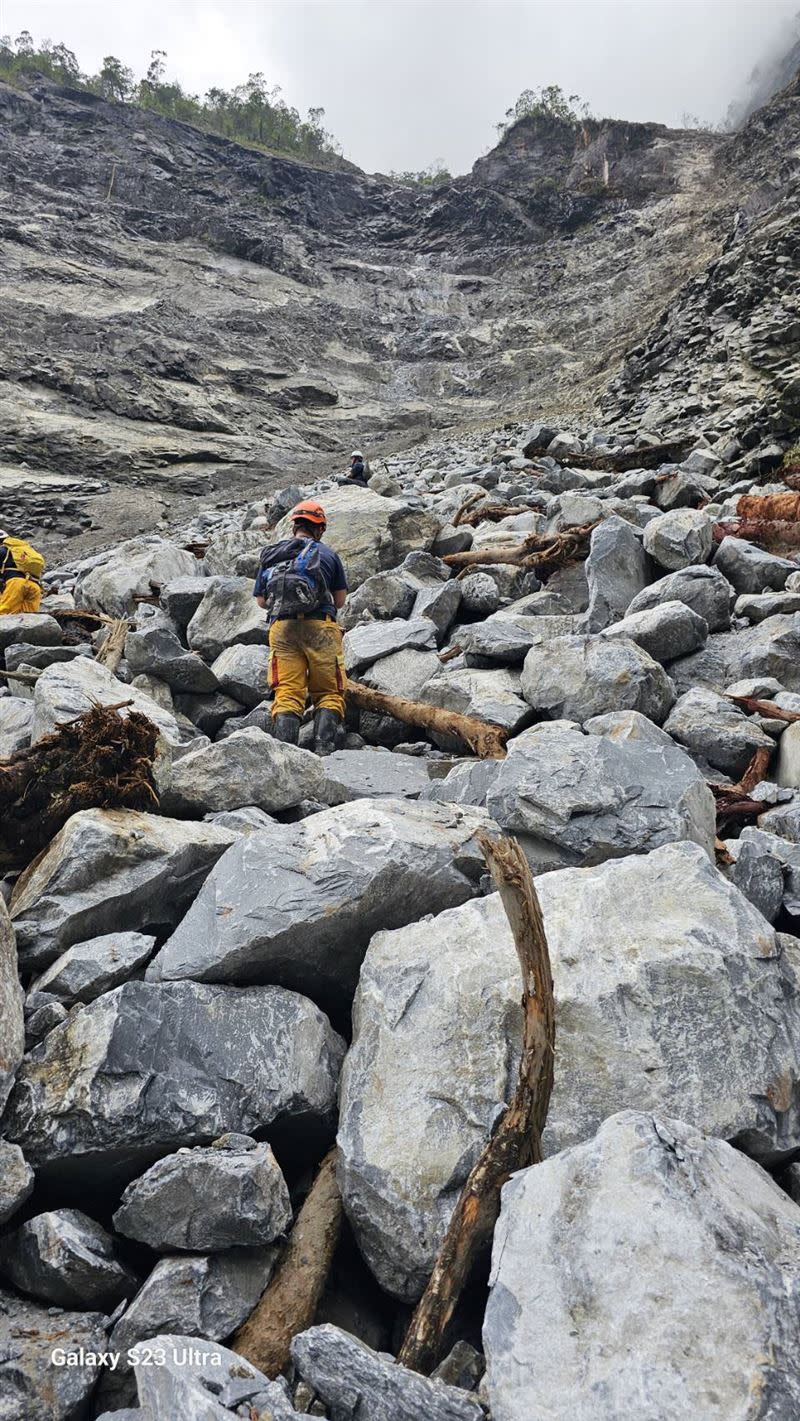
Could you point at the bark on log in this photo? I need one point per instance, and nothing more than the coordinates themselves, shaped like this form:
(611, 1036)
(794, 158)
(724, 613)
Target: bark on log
(111, 652)
(516, 1141)
(483, 739)
(754, 706)
(290, 1301)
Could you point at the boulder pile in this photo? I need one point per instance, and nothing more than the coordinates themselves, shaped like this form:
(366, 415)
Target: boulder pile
(288, 954)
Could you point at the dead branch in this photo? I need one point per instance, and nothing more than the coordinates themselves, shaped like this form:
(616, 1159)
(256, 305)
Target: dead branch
(28, 677)
(449, 655)
(537, 551)
(111, 652)
(490, 513)
(721, 853)
(483, 739)
(733, 801)
(97, 761)
(468, 503)
(754, 706)
(290, 1300)
(517, 1140)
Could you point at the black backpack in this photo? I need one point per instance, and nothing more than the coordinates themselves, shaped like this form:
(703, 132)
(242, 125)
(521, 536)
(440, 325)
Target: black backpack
(292, 579)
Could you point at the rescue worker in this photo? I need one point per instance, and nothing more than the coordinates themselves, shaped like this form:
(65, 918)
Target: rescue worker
(358, 470)
(306, 655)
(21, 568)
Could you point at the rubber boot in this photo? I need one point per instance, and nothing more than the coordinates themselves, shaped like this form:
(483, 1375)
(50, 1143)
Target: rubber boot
(286, 727)
(326, 724)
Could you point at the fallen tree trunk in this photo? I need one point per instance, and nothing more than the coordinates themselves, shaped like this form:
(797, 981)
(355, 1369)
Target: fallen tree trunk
(98, 761)
(535, 552)
(290, 1301)
(516, 1141)
(483, 739)
(619, 461)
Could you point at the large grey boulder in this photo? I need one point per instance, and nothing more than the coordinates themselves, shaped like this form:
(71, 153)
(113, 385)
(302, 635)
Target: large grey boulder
(88, 969)
(16, 725)
(616, 570)
(196, 1382)
(372, 773)
(369, 532)
(241, 672)
(354, 1382)
(786, 852)
(153, 1066)
(68, 688)
(132, 570)
(374, 640)
(36, 628)
(755, 606)
(577, 677)
(297, 904)
(665, 632)
(16, 1180)
(758, 874)
(404, 673)
(201, 1295)
(768, 649)
(109, 870)
(436, 1025)
(156, 651)
(31, 1387)
(491, 695)
(713, 727)
(507, 637)
(440, 602)
(227, 616)
(381, 598)
(437, 1001)
(602, 795)
(66, 1258)
(12, 1029)
(679, 538)
(226, 1195)
(751, 569)
(702, 588)
(247, 767)
(182, 597)
(693, 1315)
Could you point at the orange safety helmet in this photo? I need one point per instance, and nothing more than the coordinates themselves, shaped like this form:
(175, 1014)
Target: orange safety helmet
(309, 512)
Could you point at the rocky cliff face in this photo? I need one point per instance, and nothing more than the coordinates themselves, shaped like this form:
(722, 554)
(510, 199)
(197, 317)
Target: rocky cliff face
(184, 315)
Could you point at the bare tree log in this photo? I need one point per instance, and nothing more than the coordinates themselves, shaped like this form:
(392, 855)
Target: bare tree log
(111, 652)
(733, 801)
(483, 739)
(536, 551)
(290, 1301)
(490, 513)
(517, 1140)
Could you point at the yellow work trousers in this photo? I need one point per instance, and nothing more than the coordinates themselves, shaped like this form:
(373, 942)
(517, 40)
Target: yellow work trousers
(306, 658)
(19, 594)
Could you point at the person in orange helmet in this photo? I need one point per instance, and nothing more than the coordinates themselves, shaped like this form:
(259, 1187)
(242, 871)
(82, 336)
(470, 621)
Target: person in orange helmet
(301, 584)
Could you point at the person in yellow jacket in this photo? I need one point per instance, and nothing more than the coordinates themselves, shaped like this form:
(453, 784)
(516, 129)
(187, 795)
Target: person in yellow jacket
(302, 584)
(21, 568)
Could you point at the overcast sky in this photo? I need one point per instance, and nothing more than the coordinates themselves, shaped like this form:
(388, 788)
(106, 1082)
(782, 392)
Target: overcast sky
(404, 83)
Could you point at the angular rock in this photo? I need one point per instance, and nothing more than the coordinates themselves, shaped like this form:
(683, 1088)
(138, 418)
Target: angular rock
(158, 691)
(132, 570)
(355, 1382)
(208, 713)
(108, 871)
(246, 768)
(230, 1194)
(479, 595)
(153, 1066)
(374, 640)
(381, 598)
(616, 571)
(16, 725)
(767, 649)
(199, 1383)
(705, 1282)
(33, 1389)
(66, 1258)
(241, 672)
(788, 768)
(755, 606)
(665, 632)
(182, 597)
(372, 774)
(297, 904)
(88, 969)
(492, 695)
(758, 874)
(404, 673)
(158, 652)
(679, 539)
(34, 627)
(16, 1180)
(66, 690)
(787, 854)
(23, 654)
(201, 1295)
(12, 1030)
(576, 677)
(440, 604)
(751, 569)
(702, 588)
(370, 532)
(713, 727)
(227, 616)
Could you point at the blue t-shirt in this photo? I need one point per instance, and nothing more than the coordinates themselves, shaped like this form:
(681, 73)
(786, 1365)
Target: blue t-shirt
(333, 574)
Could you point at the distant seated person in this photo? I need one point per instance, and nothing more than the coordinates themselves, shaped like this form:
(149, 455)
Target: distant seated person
(358, 470)
(21, 568)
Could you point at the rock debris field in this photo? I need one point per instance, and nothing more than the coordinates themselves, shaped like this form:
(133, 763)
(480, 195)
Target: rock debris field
(283, 953)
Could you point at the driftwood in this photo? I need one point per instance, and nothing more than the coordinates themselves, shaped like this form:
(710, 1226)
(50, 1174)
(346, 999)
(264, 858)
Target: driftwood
(541, 552)
(290, 1301)
(490, 513)
(111, 652)
(483, 739)
(516, 1141)
(615, 461)
(754, 706)
(468, 504)
(98, 761)
(733, 801)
